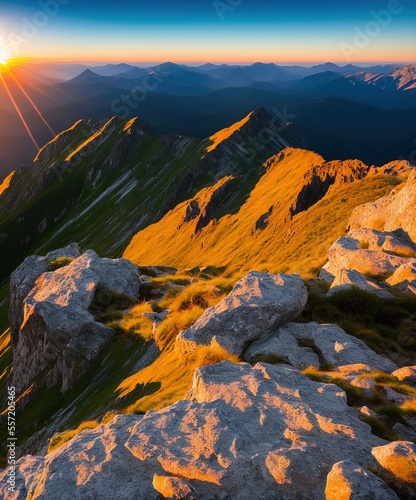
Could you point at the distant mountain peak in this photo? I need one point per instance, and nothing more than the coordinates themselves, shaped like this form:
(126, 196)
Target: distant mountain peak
(85, 75)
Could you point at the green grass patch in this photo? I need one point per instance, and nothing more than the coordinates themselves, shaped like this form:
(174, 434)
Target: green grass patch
(59, 262)
(379, 428)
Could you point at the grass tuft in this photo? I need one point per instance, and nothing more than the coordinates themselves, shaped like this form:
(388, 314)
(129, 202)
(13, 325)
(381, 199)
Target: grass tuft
(59, 262)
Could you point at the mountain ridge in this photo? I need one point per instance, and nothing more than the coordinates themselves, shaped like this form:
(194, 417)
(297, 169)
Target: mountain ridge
(91, 166)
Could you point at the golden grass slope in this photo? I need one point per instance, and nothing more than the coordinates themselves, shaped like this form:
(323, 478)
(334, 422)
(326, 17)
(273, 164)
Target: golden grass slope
(262, 235)
(224, 134)
(6, 183)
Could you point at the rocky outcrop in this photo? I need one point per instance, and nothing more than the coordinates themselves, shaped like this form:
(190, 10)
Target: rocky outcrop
(245, 432)
(366, 251)
(55, 337)
(373, 261)
(349, 481)
(204, 206)
(257, 303)
(397, 210)
(334, 345)
(321, 179)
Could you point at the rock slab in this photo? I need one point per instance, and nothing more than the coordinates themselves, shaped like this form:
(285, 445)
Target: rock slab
(245, 432)
(258, 302)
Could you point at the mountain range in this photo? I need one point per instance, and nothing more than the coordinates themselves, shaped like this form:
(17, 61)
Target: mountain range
(332, 109)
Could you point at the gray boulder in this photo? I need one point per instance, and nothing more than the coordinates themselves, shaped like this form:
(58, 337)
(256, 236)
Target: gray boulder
(58, 338)
(346, 279)
(23, 279)
(257, 303)
(349, 481)
(245, 432)
(336, 347)
(281, 344)
(349, 252)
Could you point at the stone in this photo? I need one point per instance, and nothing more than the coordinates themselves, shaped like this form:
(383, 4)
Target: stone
(282, 345)
(406, 374)
(397, 210)
(179, 488)
(58, 337)
(367, 412)
(397, 241)
(406, 273)
(257, 303)
(337, 347)
(348, 481)
(347, 253)
(406, 433)
(397, 397)
(23, 279)
(399, 458)
(367, 385)
(350, 372)
(244, 432)
(346, 279)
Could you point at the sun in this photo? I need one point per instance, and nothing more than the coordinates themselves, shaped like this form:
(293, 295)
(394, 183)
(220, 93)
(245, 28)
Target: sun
(4, 56)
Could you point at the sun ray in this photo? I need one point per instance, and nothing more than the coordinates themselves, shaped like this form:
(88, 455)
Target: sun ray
(6, 87)
(53, 88)
(10, 73)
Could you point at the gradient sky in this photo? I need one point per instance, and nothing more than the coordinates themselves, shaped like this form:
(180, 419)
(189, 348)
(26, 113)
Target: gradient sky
(239, 31)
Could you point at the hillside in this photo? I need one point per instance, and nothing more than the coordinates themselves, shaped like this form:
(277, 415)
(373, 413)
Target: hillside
(298, 207)
(118, 175)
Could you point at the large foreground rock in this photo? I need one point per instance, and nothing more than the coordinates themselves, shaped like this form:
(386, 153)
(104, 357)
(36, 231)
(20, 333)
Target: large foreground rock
(257, 303)
(265, 432)
(23, 279)
(57, 337)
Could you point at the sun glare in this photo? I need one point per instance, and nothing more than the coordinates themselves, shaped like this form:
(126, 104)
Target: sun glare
(3, 60)
(4, 56)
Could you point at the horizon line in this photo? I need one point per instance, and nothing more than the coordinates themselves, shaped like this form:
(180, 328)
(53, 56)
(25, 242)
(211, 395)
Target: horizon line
(217, 63)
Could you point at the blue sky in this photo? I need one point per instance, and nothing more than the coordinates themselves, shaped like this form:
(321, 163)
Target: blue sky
(213, 30)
